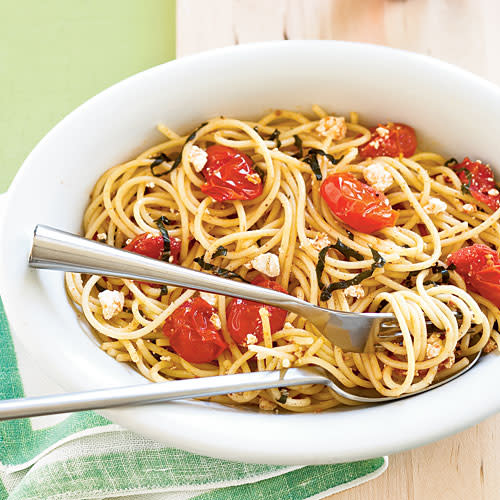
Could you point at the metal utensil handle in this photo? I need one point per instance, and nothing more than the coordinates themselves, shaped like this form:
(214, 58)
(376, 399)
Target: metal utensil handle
(59, 250)
(149, 393)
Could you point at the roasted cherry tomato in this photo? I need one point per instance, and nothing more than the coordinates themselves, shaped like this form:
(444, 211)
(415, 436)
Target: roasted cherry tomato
(358, 205)
(480, 181)
(392, 140)
(152, 246)
(479, 266)
(229, 175)
(192, 334)
(243, 316)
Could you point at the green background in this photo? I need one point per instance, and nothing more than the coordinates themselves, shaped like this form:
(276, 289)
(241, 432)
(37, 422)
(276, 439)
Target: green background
(56, 54)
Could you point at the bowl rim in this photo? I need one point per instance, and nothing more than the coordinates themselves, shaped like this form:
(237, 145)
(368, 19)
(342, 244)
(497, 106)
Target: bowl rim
(255, 448)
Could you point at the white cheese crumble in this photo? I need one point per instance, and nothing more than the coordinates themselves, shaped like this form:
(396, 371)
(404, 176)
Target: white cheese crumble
(356, 291)
(268, 264)
(434, 346)
(171, 259)
(198, 157)
(320, 241)
(112, 302)
(102, 236)
(378, 177)
(215, 320)
(288, 325)
(332, 126)
(382, 131)
(165, 358)
(150, 185)
(251, 339)
(493, 192)
(435, 206)
(468, 208)
(286, 363)
(128, 241)
(210, 298)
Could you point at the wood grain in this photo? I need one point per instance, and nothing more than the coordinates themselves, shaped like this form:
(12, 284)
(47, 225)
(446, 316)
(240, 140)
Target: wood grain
(463, 32)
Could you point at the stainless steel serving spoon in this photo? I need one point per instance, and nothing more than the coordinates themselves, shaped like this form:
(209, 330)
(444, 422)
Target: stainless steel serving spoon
(195, 388)
(58, 250)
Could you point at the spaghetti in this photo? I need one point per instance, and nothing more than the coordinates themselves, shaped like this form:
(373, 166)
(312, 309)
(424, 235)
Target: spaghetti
(284, 227)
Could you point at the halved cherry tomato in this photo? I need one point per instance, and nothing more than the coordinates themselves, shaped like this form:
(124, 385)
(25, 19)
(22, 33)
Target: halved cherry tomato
(243, 316)
(229, 175)
(480, 180)
(360, 206)
(479, 266)
(391, 139)
(152, 246)
(192, 334)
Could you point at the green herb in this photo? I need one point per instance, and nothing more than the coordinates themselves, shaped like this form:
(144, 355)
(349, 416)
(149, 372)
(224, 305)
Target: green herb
(346, 251)
(312, 160)
(262, 173)
(163, 290)
(465, 188)
(351, 236)
(451, 162)
(407, 281)
(161, 223)
(284, 396)
(220, 251)
(298, 144)
(158, 160)
(275, 136)
(378, 262)
(219, 271)
(100, 288)
(190, 138)
(444, 272)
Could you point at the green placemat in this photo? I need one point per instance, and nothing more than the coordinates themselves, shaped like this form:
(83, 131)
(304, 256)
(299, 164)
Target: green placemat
(56, 54)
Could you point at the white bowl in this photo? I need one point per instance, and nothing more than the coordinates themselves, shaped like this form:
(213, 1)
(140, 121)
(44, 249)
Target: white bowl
(454, 112)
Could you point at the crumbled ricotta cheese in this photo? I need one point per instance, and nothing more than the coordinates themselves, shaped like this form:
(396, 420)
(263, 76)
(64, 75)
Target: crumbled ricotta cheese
(267, 263)
(382, 131)
(448, 363)
(198, 157)
(165, 358)
(435, 206)
(286, 363)
(215, 320)
(288, 325)
(128, 241)
(266, 405)
(150, 185)
(332, 126)
(210, 298)
(468, 208)
(378, 177)
(320, 241)
(171, 259)
(102, 236)
(493, 192)
(251, 339)
(356, 291)
(434, 346)
(112, 303)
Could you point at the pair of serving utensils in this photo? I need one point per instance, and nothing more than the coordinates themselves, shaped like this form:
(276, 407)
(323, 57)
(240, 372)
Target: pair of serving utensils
(57, 250)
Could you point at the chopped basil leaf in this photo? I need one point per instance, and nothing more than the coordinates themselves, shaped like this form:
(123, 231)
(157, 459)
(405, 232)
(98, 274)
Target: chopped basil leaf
(465, 188)
(343, 249)
(262, 173)
(346, 251)
(284, 396)
(298, 144)
(161, 223)
(219, 271)
(163, 290)
(451, 162)
(378, 261)
(275, 136)
(351, 236)
(312, 160)
(158, 160)
(220, 251)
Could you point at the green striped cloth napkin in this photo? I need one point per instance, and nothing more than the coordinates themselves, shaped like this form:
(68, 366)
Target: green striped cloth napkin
(87, 457)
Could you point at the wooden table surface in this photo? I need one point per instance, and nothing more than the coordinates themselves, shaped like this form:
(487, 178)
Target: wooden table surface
(464, 32)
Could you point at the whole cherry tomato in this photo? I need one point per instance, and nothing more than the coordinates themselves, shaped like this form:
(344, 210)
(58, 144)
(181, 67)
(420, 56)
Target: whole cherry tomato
(152, 246)
(391, 139)
(358, 205)
(229, 175)
(193, 335)
(479, 266)
(478, 178)
(243, 316)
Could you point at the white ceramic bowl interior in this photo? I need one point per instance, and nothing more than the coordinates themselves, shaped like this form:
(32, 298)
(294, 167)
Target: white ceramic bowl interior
(454, 112)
